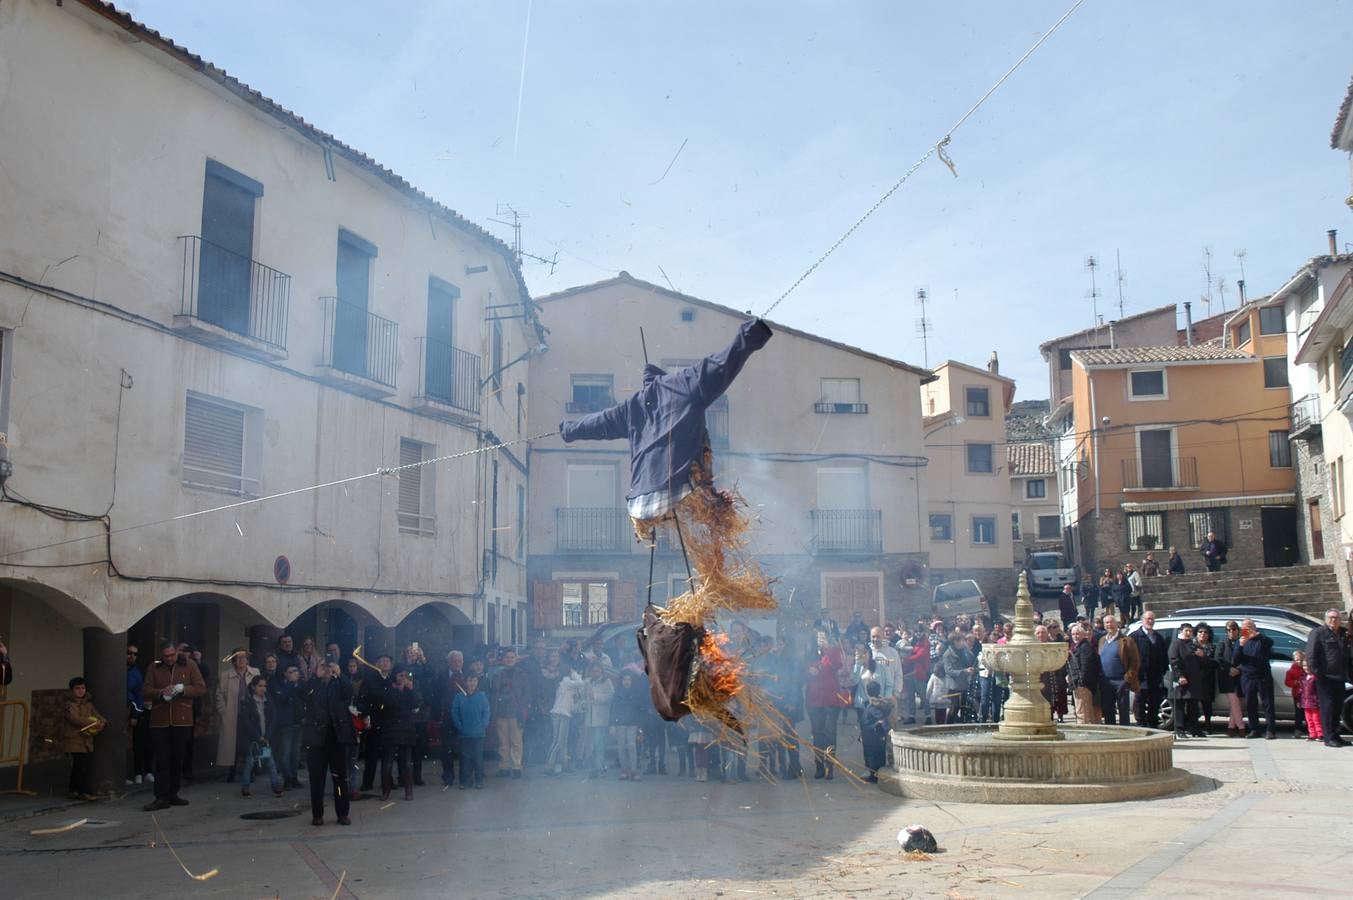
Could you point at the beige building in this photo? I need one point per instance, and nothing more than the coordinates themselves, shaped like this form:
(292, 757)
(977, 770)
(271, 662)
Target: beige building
(204, 300)
(821, 439)
(968, 478)
(1035, 520)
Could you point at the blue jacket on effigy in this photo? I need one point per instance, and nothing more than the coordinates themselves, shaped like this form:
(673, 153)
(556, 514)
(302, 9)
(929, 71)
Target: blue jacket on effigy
(664, 420)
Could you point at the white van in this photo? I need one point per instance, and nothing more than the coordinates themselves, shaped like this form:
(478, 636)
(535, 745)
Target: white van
(955, 598)
(1049, 571)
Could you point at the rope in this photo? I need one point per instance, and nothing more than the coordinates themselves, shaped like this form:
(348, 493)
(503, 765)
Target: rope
(381, 470)
(937, 148)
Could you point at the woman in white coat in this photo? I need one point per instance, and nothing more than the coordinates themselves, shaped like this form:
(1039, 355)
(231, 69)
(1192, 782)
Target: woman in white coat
(233, 686)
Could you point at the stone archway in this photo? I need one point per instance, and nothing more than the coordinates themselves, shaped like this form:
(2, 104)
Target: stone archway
(439, 628)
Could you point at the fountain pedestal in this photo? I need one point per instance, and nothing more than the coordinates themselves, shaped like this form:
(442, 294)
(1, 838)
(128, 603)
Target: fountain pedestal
(1027, 758)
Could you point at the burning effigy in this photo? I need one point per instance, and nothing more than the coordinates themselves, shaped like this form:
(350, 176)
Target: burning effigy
(671, 487)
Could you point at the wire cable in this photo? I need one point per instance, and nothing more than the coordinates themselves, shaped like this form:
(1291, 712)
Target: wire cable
(381, 470)
(938, 147)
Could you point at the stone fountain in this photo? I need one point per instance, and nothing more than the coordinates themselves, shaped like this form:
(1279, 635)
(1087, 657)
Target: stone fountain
(1028, 758)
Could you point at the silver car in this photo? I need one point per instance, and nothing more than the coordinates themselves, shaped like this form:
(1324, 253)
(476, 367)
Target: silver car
(1287, 636)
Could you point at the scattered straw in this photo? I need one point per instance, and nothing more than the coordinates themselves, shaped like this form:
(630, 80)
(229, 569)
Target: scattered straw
(339, 889)
(59, 829)
(186, 871)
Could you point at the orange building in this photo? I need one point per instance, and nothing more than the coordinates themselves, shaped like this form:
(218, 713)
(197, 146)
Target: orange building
(1174, 442)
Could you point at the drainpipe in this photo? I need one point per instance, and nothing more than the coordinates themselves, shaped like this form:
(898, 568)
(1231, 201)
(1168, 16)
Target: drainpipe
(1188, 322)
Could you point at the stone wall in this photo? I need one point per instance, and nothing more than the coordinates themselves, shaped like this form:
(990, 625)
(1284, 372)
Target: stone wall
(1105, 540)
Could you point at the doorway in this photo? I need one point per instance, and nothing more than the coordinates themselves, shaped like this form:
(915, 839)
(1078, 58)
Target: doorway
(1317, 533)
(1279, 525)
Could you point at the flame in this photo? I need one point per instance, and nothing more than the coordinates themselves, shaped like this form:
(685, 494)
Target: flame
(725, 671)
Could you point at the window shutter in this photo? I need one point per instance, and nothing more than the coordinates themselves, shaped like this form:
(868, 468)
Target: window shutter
(547, 601)
(410, 480)
(213, 445)
(624, 602)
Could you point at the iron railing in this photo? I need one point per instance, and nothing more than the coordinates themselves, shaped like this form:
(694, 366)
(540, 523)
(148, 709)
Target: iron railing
(1306, 416)
(233, 292)
(591, 529)
(1177, 472)
(358, 342)
(588, 406)
(847, 530)
(448, 374)
(857, 408)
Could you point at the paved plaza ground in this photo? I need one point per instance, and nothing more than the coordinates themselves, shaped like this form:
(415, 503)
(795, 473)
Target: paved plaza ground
(1265, 818)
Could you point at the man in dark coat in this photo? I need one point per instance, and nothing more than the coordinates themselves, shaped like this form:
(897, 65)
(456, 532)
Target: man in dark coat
(328, 733)
(664, 422)
(373, 702)
(1327, 651)
(1083, 675)
(1214, 552)
(1256, 677)
(1154, 651)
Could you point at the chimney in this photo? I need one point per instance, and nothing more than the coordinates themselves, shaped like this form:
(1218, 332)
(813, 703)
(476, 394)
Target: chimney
(1188, 316)
(1334, 241)
(1113, 344)
(1240, 283)
(994, 364)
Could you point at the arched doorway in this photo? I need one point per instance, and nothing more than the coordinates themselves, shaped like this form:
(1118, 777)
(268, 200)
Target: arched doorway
(438, 628)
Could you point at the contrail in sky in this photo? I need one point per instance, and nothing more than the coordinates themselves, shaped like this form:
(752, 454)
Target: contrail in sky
(521, 83)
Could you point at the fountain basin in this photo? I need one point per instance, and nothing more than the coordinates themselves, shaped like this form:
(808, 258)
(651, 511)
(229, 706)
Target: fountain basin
(1089, 764)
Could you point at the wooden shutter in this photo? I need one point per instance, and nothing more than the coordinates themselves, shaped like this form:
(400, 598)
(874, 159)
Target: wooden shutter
(624, 602)
(410, 480)
(213, 445)
(547, 601)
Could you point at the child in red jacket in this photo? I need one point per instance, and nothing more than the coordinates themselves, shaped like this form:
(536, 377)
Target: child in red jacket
(1294, 679)
(1310, 704)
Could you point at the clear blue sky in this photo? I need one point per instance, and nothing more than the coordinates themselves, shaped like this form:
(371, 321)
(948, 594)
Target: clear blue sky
(1149, 128)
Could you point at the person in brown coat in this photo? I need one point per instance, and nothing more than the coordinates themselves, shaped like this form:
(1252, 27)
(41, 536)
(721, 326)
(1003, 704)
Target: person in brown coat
(83, 724)
(170, 687)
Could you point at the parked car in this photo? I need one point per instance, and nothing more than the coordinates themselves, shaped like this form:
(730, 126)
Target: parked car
(956, 598)
(1049, 571)
(1288, 636)
(1240, 612)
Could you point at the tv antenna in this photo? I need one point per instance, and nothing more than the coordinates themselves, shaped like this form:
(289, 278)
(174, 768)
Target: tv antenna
(505, 209)
(923, 325)
(1120, 276)
(1240, 258)
(1207, 273)
(1091, 264)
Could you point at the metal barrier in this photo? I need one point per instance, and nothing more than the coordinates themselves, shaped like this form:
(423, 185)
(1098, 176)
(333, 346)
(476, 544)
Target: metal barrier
(14, 741)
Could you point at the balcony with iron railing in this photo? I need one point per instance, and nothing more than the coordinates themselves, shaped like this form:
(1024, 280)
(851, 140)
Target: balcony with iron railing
(1163, 473)
(846, 531)
(591, 530)
(588, 405)
(229, 300)
(1306, 418)
(448, 378)
(841, 408)
(359, 349)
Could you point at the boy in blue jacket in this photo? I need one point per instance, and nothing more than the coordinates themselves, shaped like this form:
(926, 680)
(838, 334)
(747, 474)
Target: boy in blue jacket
(470, 715)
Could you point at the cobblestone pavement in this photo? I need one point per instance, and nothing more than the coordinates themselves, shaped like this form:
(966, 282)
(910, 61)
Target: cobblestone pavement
(1262, 816)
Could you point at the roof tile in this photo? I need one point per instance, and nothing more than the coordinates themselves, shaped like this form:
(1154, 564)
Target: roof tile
(1128, 356)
